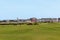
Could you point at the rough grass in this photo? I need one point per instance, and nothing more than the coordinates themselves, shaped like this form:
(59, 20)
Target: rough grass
(43, 31)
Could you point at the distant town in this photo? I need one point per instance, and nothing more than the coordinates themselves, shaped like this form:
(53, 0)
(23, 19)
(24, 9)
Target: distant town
(30, 20)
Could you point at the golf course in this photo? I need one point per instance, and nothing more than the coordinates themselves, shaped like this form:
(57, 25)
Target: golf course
(43, 31)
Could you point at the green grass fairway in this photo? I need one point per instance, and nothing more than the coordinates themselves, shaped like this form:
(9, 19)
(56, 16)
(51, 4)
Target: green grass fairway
(43, 31)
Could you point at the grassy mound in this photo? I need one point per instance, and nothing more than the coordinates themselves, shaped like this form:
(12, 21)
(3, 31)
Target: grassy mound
(43, 31)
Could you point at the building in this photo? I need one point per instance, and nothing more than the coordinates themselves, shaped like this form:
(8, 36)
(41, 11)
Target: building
(33, 19)
(55, 19)
(58, 19)
(49, 20)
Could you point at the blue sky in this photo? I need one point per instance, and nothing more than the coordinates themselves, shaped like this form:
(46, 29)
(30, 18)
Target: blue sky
(11, 9)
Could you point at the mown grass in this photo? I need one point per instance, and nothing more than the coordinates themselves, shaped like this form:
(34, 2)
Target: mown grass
(43, 31)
